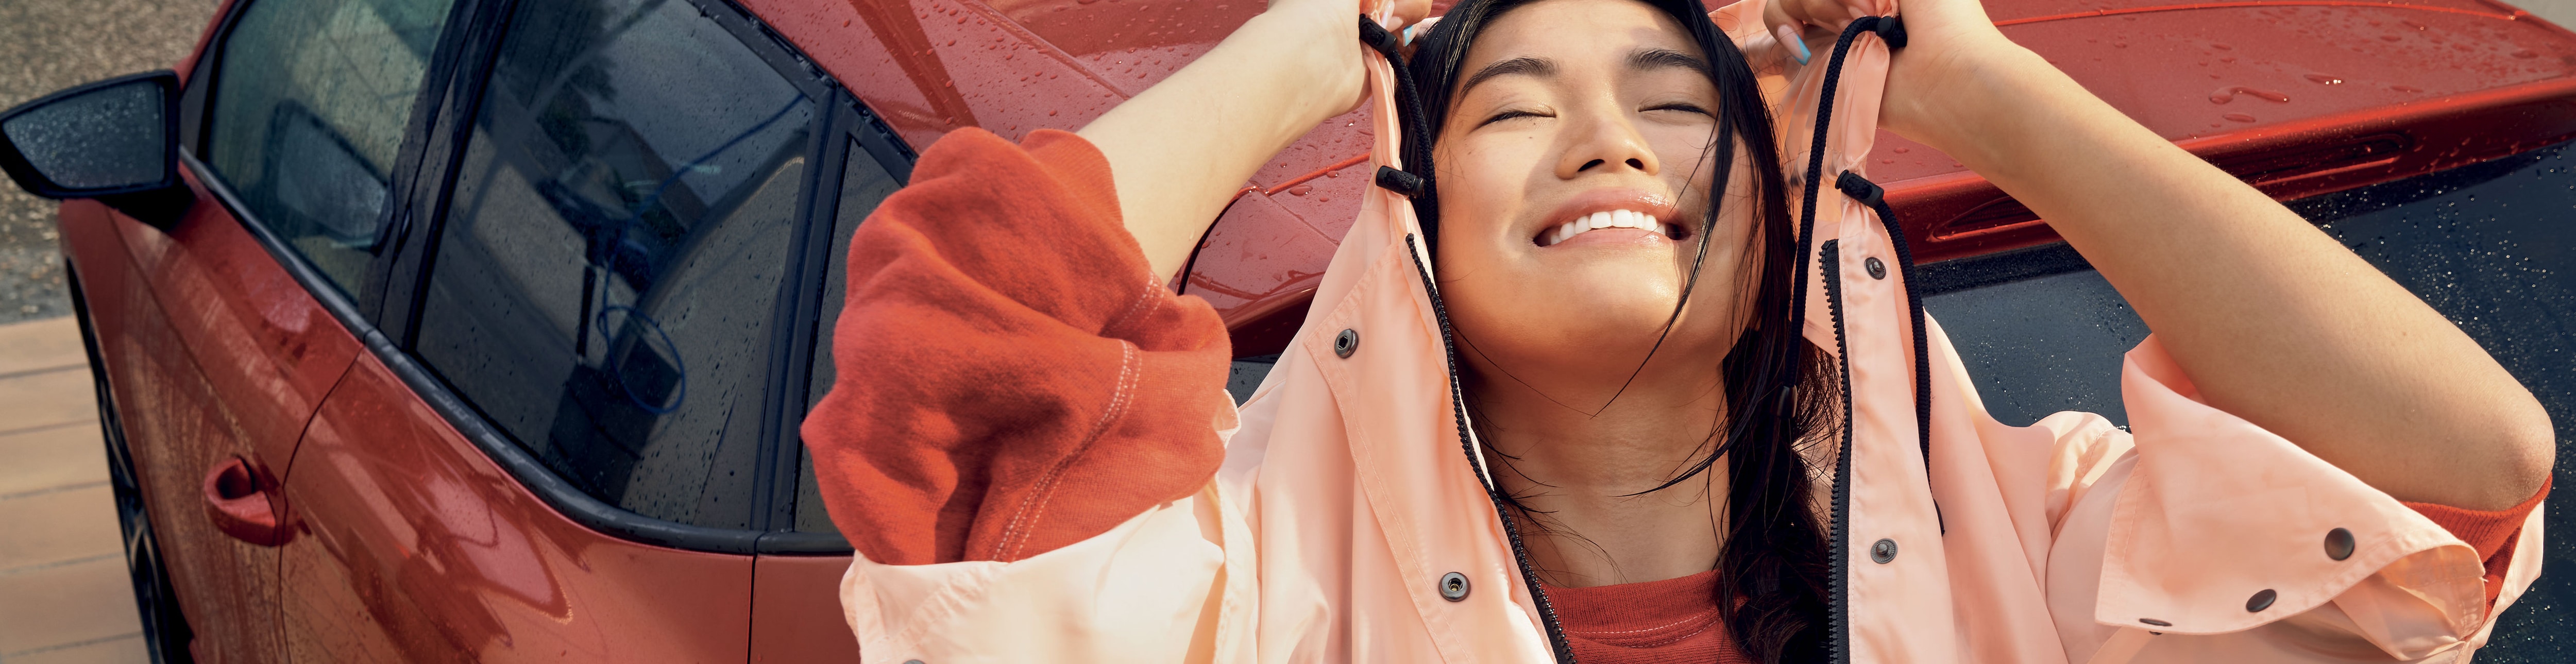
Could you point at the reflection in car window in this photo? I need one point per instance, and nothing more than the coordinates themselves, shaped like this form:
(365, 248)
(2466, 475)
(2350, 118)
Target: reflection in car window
(2491, 245)
(309, 110)
(605, 278)
(863, 185)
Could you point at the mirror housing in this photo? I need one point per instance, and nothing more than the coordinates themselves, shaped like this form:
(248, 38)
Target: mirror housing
(115, 140)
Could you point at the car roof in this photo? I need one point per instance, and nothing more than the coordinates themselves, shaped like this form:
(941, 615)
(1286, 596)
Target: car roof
(2298, 96)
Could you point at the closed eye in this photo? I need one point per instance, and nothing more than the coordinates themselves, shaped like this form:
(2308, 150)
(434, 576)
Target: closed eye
(1685, 107)
(1509, 115)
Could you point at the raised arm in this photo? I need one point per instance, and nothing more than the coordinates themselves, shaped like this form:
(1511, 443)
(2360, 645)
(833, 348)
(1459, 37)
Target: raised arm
(1181, 150)
(2275, 321)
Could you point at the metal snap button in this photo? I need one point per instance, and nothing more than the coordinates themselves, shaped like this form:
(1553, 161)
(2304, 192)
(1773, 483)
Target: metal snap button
(1883, 551)
(1453, 586)
(2261, 601)
(2339, 544)
(1346, 342)
(1877, 269)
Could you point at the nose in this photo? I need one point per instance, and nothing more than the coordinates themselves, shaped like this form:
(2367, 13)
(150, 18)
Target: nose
(1605, 142)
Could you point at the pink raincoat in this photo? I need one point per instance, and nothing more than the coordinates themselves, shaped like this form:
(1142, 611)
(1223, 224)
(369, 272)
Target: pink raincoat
(1345, 498)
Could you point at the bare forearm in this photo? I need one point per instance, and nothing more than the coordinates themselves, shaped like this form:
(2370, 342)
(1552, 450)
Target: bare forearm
(1181, 150)
(2274, 321)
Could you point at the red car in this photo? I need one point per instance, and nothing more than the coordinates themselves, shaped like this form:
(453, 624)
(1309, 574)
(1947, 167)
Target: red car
(440, 330)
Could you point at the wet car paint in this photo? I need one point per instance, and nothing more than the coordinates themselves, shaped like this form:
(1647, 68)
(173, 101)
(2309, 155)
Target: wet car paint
(2320, 96)
(412, 544)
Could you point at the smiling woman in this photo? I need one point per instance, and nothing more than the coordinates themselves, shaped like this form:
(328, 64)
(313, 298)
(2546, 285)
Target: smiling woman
(1687, 425)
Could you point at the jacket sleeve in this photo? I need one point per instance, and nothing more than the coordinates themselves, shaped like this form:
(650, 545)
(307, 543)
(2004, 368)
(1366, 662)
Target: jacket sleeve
(2220, 528)
(1011, 377)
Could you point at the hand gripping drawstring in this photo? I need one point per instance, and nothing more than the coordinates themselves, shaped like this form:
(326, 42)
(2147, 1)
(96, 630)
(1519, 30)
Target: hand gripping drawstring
(1409, 116)
(1889, 29)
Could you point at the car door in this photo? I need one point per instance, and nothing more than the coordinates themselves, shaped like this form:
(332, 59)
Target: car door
(563, 451)
(230, 326)
(796, 601)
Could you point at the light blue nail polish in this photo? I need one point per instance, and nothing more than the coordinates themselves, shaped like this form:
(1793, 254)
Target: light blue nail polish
(1800, 48)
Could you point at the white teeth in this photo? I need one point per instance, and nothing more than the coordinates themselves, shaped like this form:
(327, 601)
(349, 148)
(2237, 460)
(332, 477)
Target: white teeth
(1608, 219)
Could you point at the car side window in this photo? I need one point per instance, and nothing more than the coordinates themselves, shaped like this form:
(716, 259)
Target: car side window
(605, 281)
(311, 98)
(864, 184)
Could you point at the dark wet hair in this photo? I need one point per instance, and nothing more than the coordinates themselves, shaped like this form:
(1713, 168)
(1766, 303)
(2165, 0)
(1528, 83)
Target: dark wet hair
(1779, 391)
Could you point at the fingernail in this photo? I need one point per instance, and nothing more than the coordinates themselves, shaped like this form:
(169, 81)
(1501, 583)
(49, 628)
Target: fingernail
(1797, 47)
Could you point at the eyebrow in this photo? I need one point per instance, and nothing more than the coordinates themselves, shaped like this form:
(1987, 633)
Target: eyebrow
(1659, 58)
(1642, 60)
(1530, 66)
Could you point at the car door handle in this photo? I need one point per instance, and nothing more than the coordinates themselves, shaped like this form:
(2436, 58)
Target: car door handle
(239, 505)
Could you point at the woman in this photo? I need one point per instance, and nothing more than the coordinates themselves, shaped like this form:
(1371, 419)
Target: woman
(1619, 395)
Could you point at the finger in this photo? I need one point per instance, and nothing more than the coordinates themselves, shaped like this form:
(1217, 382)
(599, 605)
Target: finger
(1792, 46)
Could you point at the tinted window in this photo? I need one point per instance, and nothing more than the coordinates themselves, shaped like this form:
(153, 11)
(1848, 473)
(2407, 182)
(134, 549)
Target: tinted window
(2492, 246)
(310, 103)
(864, 184)
(607, 272)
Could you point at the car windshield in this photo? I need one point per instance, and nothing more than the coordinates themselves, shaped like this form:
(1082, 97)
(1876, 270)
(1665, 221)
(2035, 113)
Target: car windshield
(2491, 245)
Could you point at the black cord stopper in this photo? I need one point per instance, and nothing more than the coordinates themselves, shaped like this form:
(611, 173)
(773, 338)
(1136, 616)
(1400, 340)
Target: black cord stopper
(1400, 182)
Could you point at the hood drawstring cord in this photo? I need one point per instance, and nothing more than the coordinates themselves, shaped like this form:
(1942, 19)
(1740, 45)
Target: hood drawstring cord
(1417, 186)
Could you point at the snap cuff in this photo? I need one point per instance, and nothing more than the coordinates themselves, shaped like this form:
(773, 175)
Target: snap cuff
(2339, 544)
(1346, 343)
(1453, 586)
(1883, 551)
(2260, 601)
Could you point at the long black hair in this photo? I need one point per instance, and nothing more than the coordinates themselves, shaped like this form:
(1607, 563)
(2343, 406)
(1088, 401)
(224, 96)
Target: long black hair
(1773, 569)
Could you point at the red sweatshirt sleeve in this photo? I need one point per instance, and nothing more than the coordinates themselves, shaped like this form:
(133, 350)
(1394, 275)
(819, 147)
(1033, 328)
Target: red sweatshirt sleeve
(1011, 377)
(2491, 533)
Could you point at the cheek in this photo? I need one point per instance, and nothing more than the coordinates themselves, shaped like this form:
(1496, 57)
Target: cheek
(1689, 161)
(1481, 189)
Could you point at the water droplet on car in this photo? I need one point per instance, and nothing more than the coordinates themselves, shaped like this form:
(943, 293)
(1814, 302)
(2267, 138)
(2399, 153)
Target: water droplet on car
(2239, 117)
(2325, 80)
(2228, 94)
(1300, 190)
(2524, 54)
(2222, 47)
(1902, 150)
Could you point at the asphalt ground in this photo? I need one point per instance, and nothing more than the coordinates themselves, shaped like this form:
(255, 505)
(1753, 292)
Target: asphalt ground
(48, 45)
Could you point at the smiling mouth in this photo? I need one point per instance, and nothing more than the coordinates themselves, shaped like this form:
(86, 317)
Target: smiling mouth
(1608, 219)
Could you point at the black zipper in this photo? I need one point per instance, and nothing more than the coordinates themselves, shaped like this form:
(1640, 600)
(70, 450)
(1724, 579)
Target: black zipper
(1502, 509)
(1838, 543)
(1838, 606)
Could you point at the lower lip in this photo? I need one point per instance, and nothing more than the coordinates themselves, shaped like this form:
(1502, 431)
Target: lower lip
(1613, 237)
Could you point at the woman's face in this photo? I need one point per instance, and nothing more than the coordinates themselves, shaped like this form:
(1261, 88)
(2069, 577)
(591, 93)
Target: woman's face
(1574, 170)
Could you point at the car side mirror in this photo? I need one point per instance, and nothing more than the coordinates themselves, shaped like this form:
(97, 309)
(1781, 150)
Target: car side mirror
(115, 140)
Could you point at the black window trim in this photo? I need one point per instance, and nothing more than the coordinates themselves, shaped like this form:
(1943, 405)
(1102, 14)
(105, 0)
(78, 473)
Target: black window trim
(854, 126)
(384, 311)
